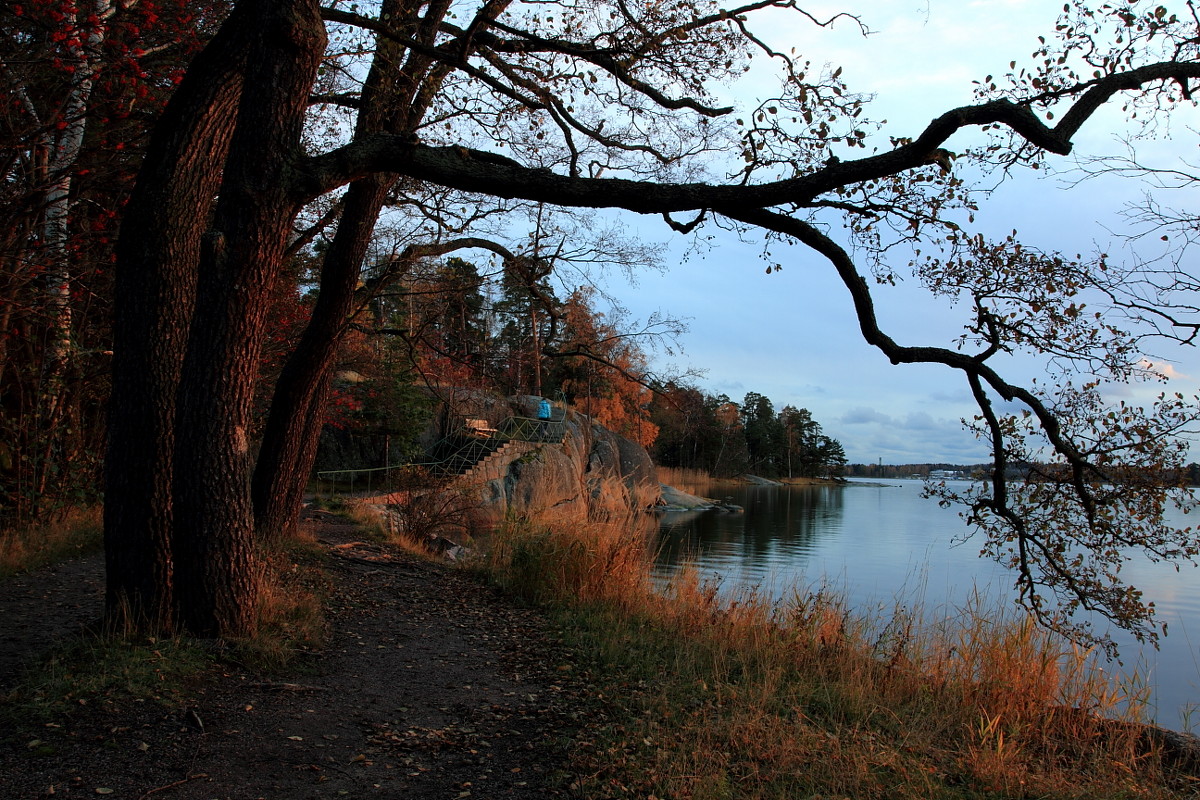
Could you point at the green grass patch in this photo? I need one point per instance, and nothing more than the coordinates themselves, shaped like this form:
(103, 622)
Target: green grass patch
(105, 671)
(114, 669)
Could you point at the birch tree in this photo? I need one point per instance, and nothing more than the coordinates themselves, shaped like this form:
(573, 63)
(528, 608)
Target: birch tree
(81, 83)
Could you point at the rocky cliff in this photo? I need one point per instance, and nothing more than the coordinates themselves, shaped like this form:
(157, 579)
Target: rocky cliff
(573, 468)
(592, 472)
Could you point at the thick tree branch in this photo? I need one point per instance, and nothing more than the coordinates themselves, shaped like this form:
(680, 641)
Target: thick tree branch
(864, 308)
(1043, 558)
(415, 252)
(485, 172)
(1096, 93)
(304, 238)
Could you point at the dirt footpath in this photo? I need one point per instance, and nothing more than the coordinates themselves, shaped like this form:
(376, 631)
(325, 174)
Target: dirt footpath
(432, 686)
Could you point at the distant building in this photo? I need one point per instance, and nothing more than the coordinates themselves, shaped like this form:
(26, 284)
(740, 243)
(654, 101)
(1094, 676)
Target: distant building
(948, 474)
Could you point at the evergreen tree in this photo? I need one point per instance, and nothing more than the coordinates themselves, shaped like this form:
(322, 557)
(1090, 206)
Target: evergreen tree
(799, 429)
(526, 301)
(831, 457)
(764, 434)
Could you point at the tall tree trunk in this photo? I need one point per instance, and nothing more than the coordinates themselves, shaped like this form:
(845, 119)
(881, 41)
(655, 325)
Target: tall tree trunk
(395, 98)
(56, 230)
(216, 574)
(81, 52)
(157, 257)
(293, 425)
(535, 350)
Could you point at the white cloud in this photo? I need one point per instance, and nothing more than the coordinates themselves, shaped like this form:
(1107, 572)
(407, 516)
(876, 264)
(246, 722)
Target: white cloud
(920, 421)
(869, 435)
(863, 416)
(1163, 368)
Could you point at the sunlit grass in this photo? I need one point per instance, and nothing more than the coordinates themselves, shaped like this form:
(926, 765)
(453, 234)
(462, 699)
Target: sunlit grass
(604, 561)
(291, 606)
(69, 533)
(692, 481)
(417, 524)
(716, 695)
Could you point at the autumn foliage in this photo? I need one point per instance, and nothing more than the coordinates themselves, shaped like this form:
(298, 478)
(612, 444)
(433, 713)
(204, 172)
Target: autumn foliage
(447, 325)
(81, 85)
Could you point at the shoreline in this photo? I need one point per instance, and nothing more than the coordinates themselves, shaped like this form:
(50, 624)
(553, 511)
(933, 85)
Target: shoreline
(674, 499)
(437, 682)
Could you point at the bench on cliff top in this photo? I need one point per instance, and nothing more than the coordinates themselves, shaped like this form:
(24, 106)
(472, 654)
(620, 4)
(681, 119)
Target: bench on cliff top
(479, 428)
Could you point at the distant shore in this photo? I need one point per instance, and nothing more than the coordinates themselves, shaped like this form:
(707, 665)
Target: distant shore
(756, 480)
(676, 499)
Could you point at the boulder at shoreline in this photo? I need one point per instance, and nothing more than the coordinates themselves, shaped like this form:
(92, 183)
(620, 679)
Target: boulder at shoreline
(673, 499)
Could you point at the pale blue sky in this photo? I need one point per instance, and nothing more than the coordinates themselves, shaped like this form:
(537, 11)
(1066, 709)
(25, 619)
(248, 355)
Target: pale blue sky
(792, 336)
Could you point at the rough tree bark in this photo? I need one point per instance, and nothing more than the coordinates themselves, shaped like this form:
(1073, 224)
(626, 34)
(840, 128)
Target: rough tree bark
(396, 96)
(294, 421)
(213, 540)
(157, 260)
(293, 426)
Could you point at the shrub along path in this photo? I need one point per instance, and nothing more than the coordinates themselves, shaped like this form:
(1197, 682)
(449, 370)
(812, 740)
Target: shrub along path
(431, 686)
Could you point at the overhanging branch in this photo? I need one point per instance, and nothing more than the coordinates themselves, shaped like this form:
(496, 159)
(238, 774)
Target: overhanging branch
(485, 172)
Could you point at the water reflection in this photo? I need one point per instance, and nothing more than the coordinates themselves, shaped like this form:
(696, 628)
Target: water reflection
(777, 526)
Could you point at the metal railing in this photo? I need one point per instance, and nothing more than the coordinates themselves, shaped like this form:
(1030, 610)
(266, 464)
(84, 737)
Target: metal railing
(529, 429)
(348, 481)
(452, 455)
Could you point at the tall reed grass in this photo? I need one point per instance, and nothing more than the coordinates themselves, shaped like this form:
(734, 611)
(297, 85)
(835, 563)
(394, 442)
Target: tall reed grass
(710, 694)
(692, 481)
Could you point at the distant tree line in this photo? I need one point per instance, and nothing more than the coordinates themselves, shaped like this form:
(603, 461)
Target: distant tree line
(894, 471)
(1189, 475)
(697, 430)
(447, 323)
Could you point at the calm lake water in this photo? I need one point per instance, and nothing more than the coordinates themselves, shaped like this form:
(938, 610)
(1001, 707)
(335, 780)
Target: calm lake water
(880, 544)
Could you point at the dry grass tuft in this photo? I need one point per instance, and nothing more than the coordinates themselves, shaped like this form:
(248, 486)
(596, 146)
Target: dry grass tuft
(588, 561)
(713, 695)
(692, 481)
(291, 600)
(71, 532)
(421, 523)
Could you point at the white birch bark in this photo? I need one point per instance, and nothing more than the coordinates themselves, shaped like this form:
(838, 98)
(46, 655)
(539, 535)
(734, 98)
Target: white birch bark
(84, 54)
